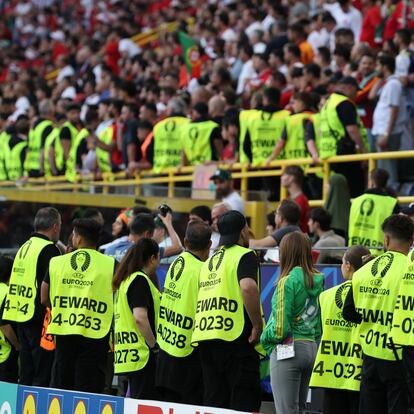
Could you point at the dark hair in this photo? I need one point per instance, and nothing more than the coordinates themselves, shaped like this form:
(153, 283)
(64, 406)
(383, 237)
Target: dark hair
(293, 49)
(399, 227)
(279, 76)
(380, 177)
(344, 32)
(328, 18)
(46, 218)
(270, 219)
(313, 69)
(321, 216)
(296, 72)
(307, 99)
(141, 223)
(198, 235)
(204, 212)
(296, 172)
(92, 213)
(325, 53)
(151, 107)
(357, 256)
(134, 260)
(224, 18)
(91, 116)
(6, 266)
(343, 51)
(296, 251)
(140, 209)
(88, 228)
(298, 29)
(247, 49)
(388, 61)
(289, 211)
(404, 35)
(272, 95)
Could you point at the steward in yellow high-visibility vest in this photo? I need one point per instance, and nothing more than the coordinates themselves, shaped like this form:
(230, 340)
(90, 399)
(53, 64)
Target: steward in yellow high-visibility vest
(38, 134)
(177, 357)
(342, 132)
(67, 136)
(298, 139)
(22, 303)
(371, 302)
(137, 305)
(79, 147)
(50, 167)
(244, 121)
(4, 154)
(368, 212)
(78, 290)
(167, 143)
(338, 363)
(8, 338)
(201, 138)
(228, 319)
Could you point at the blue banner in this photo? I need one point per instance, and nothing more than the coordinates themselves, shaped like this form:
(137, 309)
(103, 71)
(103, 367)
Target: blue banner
(8, 398)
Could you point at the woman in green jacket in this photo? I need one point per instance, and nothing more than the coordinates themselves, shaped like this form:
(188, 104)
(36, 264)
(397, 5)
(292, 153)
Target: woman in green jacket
(294, 325)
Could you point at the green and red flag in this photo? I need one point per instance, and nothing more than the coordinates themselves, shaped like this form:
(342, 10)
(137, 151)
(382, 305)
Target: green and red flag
(191, 55)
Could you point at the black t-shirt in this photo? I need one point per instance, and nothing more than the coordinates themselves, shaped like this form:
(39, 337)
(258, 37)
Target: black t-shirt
(347, 113)
(139, 296)
(65, 134)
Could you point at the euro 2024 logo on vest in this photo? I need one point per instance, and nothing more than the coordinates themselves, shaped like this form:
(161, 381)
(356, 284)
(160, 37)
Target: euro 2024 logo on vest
(380, 268)
(340, 296)
(176, 271)
(215, 262)
(80, 262)
(367, 207)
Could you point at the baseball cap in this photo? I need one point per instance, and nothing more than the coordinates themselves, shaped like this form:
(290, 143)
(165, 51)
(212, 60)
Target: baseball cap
(349, 80)
(408, 211)
(230, 225)
(222, 175)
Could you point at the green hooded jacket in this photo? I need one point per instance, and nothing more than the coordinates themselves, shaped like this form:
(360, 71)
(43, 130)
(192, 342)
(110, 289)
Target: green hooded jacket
(295, 311)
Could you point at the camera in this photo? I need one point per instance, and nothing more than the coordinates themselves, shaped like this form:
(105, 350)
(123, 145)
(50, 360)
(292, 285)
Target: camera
(164, 210)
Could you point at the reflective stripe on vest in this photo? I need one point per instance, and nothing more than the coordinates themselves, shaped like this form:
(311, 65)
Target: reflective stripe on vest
(32, 161)
(5, 347)
(104, 157)
(402, 332)
(220, 308)
(178, 306)
(265, 130)
(71, 162)
(375, 289)
(331, 127)
(244, 119)
(20, 301)
(4, 154)
(14, 164)
(50, 143)
(81, 294)
(339, 360)
(131, 351)
(167, 143)
(195, 138)
(368, 212)
(295, 146)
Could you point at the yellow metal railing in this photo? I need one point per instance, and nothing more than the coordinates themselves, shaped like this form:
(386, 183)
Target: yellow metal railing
(186, 174)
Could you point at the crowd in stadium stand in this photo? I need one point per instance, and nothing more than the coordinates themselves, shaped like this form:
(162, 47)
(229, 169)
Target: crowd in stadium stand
(80, 94)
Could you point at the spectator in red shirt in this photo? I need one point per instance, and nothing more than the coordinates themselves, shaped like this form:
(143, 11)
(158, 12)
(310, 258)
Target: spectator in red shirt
(370, 22)
(292, 179)
(111, 52)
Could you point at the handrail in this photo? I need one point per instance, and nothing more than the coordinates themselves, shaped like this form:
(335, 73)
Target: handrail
(240, 171)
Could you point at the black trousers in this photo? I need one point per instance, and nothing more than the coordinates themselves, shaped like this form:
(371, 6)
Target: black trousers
(142, 382)
(340, 402)
(231, 375)
(408, 363)
(9, 368)
(80, 363)
(383, 387)
(35, 362)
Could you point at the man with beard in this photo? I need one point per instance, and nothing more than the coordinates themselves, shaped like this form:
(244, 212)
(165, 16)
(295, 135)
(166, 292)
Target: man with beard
(225, 190)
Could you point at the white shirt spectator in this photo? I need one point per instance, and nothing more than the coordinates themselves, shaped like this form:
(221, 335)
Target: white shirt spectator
(267, 22)
(229, 35)
(350, 20)
(252, 28)
(259, 48)
(402, 64)
(247, 72)
(234, 201)
(319, 38)
(392, 94)
(64, 72)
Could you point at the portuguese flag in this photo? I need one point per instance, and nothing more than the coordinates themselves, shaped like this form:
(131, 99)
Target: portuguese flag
(191, 55)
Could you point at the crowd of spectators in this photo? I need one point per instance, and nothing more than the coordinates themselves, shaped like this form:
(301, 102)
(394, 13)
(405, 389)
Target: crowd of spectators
(75, 62)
